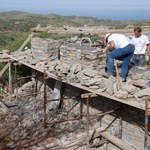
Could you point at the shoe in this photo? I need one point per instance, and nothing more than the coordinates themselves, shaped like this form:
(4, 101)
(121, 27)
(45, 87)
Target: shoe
(123, 79)
(114, 74)
(106, 75)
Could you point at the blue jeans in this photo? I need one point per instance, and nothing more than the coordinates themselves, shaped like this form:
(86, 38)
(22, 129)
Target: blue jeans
(123, 54)
(138, 60)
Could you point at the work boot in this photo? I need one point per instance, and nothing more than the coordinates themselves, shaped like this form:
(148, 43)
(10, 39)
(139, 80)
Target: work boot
(123, 79)
(106, 75)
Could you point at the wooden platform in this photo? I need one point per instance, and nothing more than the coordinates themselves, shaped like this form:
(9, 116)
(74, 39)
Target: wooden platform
(131, 102)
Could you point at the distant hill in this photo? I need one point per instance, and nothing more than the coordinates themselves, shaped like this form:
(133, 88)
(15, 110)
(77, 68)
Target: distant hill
(57, 20)
(13, 14)
(19, 14)
(15, 25)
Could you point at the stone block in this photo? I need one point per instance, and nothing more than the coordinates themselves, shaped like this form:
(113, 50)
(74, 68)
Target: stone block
(121, 94)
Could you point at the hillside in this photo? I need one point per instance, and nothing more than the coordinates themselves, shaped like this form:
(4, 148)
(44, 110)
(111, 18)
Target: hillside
(15, 25)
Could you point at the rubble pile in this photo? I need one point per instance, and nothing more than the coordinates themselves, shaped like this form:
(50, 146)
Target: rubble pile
(22, 121)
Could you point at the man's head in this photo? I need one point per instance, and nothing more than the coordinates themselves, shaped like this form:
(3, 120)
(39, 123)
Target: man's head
(137, 31)
(106, 37)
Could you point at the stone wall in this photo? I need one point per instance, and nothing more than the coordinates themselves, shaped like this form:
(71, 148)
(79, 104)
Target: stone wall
(133, 119)
(72, 51)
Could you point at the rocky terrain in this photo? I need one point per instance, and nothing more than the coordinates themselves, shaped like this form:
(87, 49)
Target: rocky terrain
(76, 63)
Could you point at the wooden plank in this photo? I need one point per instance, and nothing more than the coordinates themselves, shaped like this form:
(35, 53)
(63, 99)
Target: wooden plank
(4, 60)
(27, 40)
(118, 142)
(4, 69)
(57, 94)
(119, 82)
(81, 138)
(86, 95)
(97, 30)
(130, 102)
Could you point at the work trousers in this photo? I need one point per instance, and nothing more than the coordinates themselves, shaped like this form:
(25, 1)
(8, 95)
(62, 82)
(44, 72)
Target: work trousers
(138, 60)
(123, 54)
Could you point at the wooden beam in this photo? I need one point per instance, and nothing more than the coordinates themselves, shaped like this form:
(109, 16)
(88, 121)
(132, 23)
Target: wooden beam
(86, 95)
(81, 138)
(132, 102)
(4, 69)
(4, 60)
(27, 40)
(119, 82)
(116, 141)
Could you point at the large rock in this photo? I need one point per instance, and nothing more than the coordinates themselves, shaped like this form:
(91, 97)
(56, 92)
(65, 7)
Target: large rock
(121, 94)
(110, 85)
(129, 88)
(142, 93)
(90, 73)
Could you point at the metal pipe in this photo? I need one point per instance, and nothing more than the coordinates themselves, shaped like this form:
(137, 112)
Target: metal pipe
(102, 114)
(36, 80)
(45, 98)
(10, 81)
(87, 119)
(16, 82)
(62, 98)
(80, 108)
(28, 77)
(146, 124)
(120, 123)
(32, 93)
(71, 119)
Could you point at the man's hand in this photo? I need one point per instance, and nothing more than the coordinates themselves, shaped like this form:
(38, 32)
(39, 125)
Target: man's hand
(146, 58)
(112, 45)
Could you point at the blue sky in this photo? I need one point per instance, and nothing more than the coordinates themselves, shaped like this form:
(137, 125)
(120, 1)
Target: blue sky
(103, 9)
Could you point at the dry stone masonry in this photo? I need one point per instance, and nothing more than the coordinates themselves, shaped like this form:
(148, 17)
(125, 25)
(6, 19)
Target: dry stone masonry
(84, 65)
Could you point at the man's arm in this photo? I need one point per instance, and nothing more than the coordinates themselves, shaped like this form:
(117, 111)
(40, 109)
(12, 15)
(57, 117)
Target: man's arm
(147, 56)
(111, 45)
(148, 49)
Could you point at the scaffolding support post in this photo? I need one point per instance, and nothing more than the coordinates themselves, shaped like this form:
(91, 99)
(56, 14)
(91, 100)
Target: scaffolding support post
(120, 123)
(88, 115)
(146, 124)
(16, 86)
(45, 99)
(10, 81)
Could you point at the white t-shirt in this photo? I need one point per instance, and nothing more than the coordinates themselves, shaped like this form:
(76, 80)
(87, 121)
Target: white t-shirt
(120, 40)
(140, 44)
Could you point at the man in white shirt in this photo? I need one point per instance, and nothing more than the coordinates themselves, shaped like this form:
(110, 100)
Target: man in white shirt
(119, 47)
(141, 44)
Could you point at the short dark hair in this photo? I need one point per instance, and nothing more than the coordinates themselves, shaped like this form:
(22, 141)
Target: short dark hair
(138, 29)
